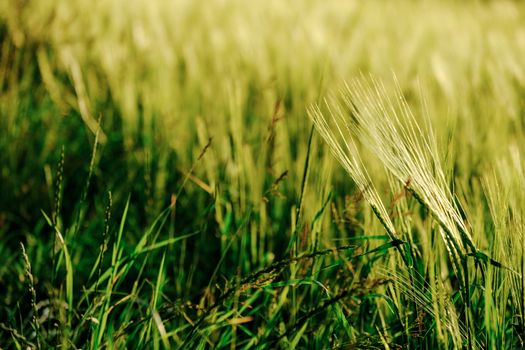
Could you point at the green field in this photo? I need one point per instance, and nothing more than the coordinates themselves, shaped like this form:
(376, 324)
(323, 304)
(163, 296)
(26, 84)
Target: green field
(270, 174)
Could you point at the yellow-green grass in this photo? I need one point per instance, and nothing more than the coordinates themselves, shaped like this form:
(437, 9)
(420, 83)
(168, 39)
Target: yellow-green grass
(160, 166)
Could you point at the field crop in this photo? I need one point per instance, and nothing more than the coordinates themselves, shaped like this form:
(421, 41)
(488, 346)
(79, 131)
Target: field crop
(262, 174)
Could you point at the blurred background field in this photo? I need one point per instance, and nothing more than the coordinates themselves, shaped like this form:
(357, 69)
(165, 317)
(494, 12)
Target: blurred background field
(159, 165)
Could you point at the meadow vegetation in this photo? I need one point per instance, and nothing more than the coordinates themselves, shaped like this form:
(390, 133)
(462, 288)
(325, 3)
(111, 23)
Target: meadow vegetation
(267, 174)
